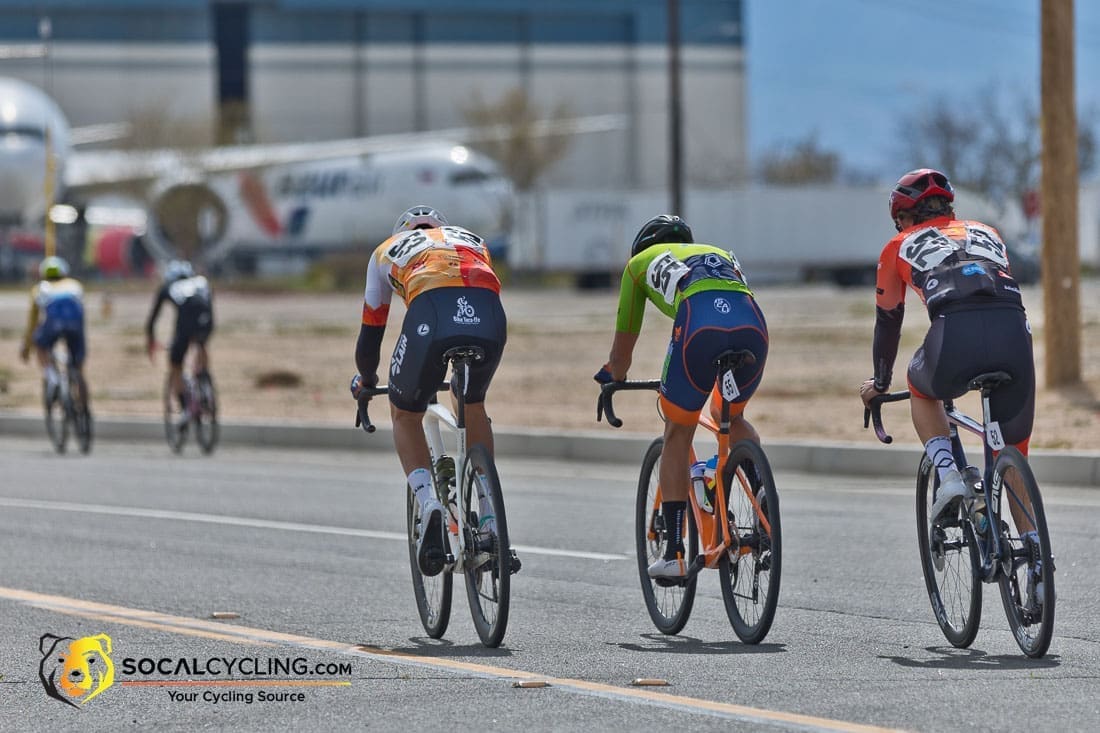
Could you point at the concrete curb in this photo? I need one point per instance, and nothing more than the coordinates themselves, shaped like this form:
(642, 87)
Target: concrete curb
(1074, 468)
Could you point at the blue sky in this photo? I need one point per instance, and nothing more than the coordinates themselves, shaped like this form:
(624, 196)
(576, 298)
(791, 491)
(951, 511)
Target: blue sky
(849, 70)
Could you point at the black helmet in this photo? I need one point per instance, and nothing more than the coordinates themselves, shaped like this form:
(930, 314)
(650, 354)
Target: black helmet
(663, 229)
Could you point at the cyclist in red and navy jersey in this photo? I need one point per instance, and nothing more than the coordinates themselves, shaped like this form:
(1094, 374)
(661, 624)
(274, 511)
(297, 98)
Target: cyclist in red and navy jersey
(702, 289)
(960, 271)
(445, 276)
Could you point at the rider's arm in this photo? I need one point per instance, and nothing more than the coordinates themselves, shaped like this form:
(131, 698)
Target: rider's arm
(889, 313)
(32, 322)
(622, 354)
(158, 301)
(376, 309)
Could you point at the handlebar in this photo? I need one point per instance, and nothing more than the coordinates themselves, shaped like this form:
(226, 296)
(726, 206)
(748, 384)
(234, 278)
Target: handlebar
(362, 419)
(873, 413)
(603, 402)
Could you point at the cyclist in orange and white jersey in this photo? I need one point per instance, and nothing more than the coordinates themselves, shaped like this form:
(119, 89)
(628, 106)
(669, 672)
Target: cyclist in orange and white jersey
(961, 273)
(445, 276)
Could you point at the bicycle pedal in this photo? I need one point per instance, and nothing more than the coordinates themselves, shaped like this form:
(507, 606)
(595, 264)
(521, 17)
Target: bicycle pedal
(514, 565)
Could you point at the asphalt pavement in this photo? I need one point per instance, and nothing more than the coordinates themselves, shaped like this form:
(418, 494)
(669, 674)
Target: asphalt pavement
(274, 558)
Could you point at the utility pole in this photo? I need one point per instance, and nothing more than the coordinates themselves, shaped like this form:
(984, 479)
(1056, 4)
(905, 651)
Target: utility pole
(1060, 256)
(675, 142)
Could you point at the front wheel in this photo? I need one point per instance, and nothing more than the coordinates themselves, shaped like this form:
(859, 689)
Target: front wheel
(432, 592)
(750, 569)
(950, 560)
(669, 605)
(488, 560)
(1027, 581)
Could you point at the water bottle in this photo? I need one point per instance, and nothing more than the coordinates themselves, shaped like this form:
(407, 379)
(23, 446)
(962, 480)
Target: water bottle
(699, 486)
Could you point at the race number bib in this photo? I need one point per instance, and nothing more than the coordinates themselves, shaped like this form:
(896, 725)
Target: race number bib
(408, 246)
(927, 248)
(984, 242)
(663, 273)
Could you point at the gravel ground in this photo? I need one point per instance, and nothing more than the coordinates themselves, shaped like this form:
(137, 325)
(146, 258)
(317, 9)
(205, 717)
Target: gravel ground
(289, 356)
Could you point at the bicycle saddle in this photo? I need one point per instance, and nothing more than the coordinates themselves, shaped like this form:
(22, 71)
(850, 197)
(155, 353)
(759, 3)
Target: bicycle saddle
(735, 359)
(464, 353)
(990, 381)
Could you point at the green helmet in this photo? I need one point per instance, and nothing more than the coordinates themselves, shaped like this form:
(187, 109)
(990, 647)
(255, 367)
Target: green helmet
(53, 268)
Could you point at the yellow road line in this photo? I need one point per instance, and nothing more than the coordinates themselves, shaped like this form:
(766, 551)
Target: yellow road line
(244, 634)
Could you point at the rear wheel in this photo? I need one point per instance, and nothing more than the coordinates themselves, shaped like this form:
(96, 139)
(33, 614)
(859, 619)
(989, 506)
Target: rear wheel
(57, 423)
(175, 419)
(432, 592)
(488, 560)
(751, 568)
(1027, 583)
(950, 560)
(82, 415)
(669, 605)
(206, 424)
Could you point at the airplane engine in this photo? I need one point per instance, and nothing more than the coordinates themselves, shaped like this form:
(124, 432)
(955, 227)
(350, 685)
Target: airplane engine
(187, 218)
(119, 251)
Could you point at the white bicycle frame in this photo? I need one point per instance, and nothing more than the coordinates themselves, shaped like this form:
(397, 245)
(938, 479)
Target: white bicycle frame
(437, 417)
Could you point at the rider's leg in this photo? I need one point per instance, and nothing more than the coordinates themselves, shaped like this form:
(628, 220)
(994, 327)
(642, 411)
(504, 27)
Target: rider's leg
(478, 426)
(175, 384)
(412, 447)
(202, 358)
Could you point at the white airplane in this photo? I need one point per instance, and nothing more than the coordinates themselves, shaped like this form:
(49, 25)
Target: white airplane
(219, 203)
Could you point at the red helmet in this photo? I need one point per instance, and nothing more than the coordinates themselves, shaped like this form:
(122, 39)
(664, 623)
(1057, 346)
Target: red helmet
(915, 186)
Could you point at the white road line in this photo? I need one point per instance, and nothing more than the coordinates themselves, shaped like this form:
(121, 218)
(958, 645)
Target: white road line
(124, 511)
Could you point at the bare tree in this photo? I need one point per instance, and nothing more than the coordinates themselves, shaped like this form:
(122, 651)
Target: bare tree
(523, 154)
(989, 144)
(801, 162)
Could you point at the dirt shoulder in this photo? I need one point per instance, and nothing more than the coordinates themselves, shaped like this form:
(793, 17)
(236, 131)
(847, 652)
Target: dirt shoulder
(290, 357)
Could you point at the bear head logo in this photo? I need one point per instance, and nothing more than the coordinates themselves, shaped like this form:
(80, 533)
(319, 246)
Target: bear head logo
(75, 670)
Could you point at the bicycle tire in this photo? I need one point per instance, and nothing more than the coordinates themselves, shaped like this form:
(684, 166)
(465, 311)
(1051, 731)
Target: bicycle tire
(1031, 614)
(488, 560)
(175, 429)
(82, 415)
(432, 592)
(745, 574)
(955, 590)
(669, 606)
(57, 420)
(206, 423)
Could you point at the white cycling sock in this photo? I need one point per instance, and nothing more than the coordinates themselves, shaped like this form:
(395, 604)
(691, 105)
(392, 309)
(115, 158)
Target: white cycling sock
(939, 450)
(421, 482)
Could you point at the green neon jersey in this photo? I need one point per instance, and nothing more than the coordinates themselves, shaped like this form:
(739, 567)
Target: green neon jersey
(667, 273)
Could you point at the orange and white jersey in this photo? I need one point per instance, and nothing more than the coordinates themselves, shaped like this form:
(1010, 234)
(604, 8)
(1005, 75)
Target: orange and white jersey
(415, 261)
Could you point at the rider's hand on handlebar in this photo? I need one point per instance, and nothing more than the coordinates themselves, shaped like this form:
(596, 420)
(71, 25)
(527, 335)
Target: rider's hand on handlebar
(604, 375)
(359, 383)
(150, 348)
(868, 391)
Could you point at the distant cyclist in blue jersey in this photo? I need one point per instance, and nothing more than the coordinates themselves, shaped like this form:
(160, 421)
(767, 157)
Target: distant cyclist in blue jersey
(56, 313)
(702, 289)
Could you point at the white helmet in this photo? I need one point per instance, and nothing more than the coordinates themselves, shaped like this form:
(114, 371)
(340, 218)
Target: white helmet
(419, 217)
(177, 270)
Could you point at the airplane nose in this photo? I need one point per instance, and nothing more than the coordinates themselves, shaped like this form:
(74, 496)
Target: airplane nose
(22, 178)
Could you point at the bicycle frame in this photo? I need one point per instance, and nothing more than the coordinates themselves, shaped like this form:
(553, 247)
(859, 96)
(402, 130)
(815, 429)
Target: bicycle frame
(707, 522)
(437, 418)
(989, 544)
(714, 530)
